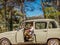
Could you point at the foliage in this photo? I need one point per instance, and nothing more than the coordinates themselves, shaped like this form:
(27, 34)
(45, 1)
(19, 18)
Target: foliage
(51, 12)
(5, 13)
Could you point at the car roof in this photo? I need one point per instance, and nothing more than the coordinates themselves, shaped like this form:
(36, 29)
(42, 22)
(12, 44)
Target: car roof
(43, 20)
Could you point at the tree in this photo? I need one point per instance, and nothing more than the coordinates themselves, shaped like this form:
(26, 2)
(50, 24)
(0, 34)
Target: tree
(52, 13)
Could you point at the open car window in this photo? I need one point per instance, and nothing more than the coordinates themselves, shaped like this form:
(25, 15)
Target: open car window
(28, 24)
(40, 25)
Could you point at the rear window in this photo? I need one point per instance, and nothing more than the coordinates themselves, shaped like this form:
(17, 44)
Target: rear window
(52, 24)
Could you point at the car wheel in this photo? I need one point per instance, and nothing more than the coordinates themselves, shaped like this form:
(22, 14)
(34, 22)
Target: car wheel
(4, 41)
(53, 42)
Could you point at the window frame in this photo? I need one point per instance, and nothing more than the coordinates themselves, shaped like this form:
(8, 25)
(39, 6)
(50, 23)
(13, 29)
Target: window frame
(41, 22)
(53, 24)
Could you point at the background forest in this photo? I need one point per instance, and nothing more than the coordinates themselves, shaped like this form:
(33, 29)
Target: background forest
(11, 17)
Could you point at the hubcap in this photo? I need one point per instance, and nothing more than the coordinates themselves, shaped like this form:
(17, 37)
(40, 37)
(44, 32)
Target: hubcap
(4, 42)
(54, 42)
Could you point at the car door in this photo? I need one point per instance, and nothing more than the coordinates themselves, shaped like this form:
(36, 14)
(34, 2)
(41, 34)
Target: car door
(40, 32)
(53, 30)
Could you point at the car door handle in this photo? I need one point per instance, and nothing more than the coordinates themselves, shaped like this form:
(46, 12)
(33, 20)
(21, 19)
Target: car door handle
(45, 30)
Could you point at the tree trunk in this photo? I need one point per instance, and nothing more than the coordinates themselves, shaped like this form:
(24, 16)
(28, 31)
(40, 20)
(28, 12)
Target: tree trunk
(57, 2)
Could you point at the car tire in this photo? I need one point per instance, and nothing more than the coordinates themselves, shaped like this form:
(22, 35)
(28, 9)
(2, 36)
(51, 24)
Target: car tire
(53, 42)
(4, 41)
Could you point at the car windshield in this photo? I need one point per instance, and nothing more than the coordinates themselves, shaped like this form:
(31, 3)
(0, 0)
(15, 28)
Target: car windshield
(40, 25)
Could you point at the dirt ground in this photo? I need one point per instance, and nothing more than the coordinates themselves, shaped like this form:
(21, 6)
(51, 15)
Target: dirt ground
(30, 44)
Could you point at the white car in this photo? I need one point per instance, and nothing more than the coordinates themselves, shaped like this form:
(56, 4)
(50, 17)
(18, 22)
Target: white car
(46, 31)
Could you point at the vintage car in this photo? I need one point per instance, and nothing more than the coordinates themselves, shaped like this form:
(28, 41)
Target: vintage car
(46, 31)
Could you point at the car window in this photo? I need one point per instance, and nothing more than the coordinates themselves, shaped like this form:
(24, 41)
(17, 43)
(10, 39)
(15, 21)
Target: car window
(52, 24)
(40, 25)
(28, 24)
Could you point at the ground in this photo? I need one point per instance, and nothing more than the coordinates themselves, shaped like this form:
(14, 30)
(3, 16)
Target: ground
(31, 44)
